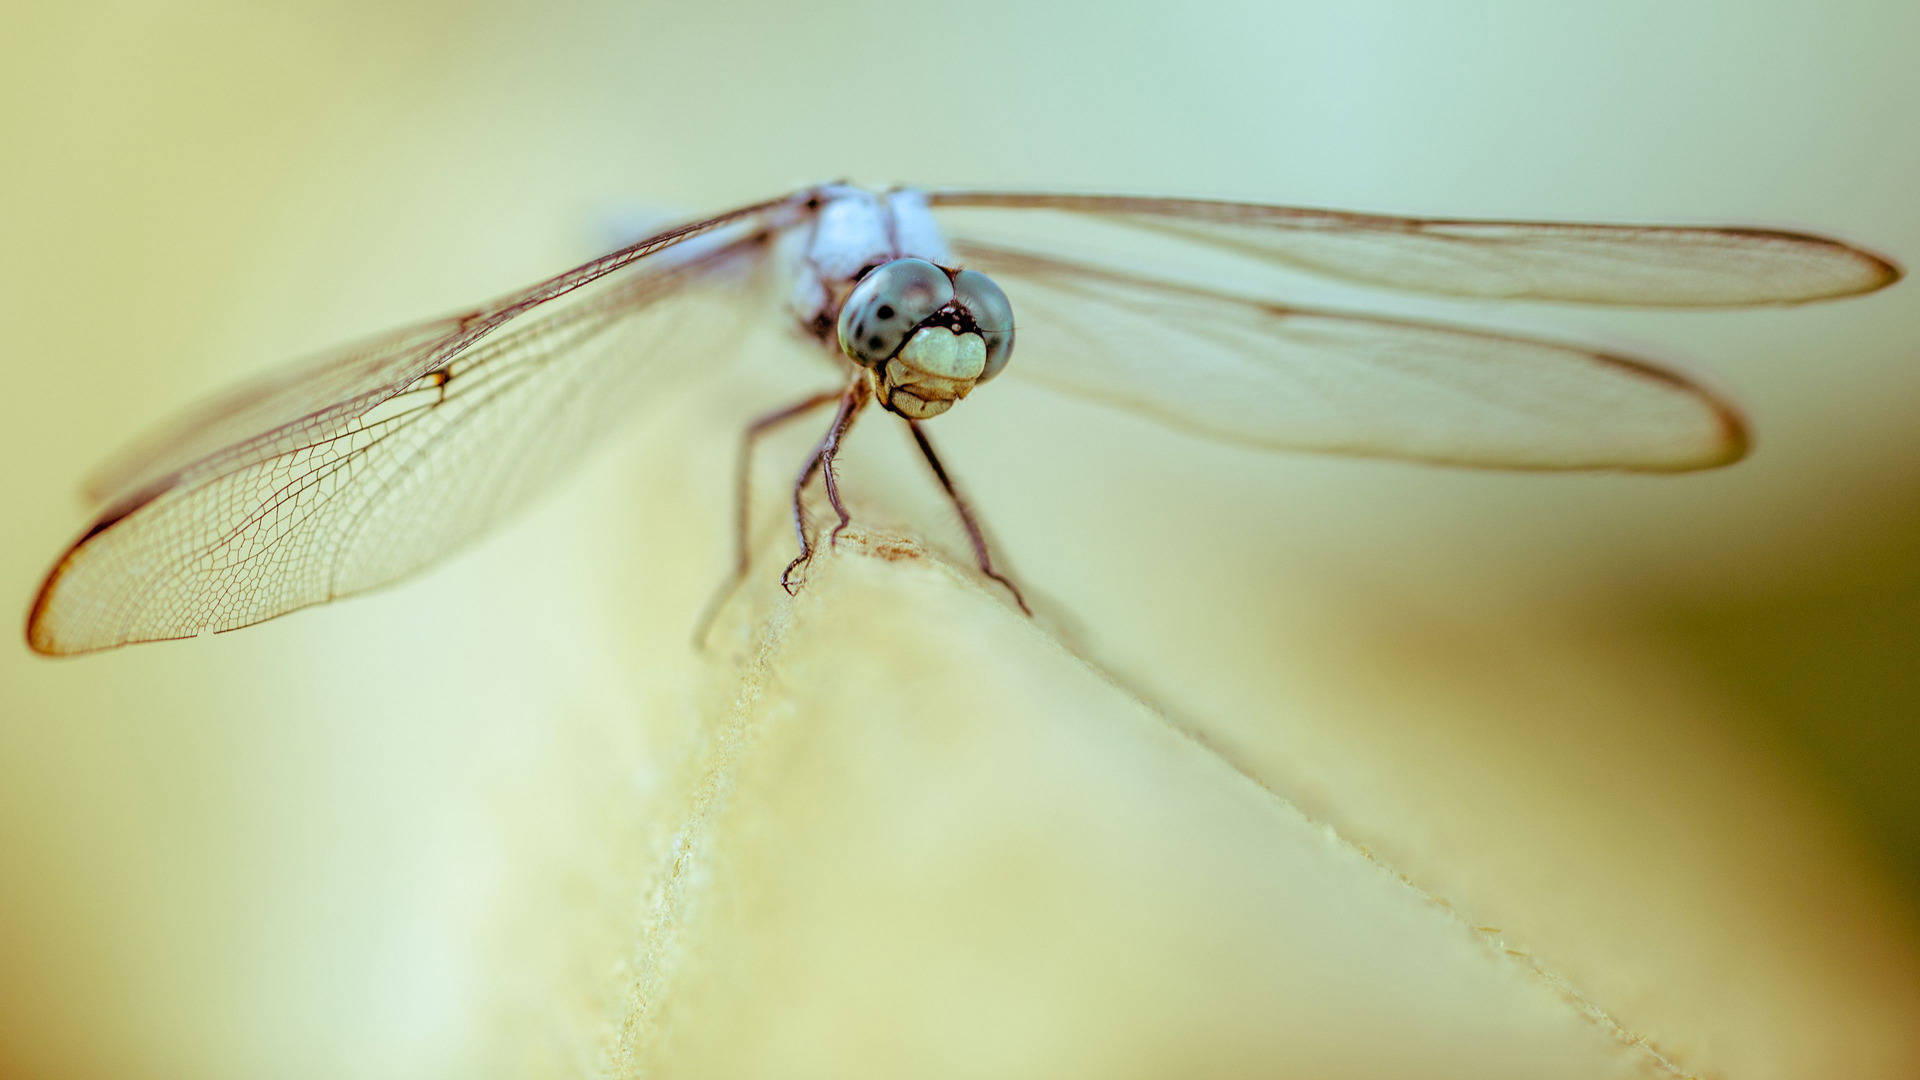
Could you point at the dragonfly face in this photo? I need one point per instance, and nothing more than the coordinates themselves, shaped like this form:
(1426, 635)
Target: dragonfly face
(929, 335)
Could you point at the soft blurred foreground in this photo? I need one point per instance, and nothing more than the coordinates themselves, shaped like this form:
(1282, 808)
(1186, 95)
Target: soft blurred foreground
(969, 852)
(1307, 767)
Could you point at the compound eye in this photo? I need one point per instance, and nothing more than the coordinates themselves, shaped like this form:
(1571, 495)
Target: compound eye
(991, 312)
(887, 306)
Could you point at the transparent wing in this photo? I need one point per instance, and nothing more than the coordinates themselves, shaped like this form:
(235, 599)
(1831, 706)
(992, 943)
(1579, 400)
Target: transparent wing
(1643, 265)
(1289, 378)
(287, 407)
(369, 463)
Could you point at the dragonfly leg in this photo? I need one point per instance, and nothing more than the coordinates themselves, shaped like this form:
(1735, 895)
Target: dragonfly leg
(800, 520)
(852, 400)
(981, 556)
(743, 494)
(831, 448)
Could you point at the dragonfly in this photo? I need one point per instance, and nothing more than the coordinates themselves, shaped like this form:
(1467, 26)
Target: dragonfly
(358, 467)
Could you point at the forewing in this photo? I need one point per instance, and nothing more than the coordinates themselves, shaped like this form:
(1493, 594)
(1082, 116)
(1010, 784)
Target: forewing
(287, 407)
(1641, 265)
(1290, 378)
(376, 460)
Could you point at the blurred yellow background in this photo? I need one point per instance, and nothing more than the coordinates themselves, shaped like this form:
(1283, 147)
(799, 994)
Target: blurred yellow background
(1659, 731)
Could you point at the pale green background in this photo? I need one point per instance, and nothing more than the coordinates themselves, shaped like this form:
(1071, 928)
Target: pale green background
(221, 856)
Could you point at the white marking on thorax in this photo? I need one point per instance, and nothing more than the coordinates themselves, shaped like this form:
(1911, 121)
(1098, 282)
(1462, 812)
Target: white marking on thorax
(855, 230)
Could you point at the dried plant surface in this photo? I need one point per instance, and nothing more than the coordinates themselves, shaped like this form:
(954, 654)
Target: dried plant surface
(963, 850)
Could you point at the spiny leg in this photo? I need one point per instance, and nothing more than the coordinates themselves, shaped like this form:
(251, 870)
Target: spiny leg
(980, 554)
(811, 466)
(743, 493)
(852, 400)
(831, 449)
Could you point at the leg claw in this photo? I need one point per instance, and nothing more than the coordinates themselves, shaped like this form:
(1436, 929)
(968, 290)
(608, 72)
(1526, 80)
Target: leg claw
(1014, 589)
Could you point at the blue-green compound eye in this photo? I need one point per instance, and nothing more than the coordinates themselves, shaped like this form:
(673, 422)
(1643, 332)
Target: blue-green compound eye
(991, 311)
(888, 304)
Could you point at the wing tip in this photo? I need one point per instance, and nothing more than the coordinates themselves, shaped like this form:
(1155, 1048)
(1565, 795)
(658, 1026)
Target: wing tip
(1728, 438)
(42, 637)
(1735, 434)
(39, 631)
(39, 634)
(1866, 270)
(1885, 272)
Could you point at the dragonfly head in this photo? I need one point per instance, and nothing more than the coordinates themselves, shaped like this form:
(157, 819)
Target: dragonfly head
(927, 335)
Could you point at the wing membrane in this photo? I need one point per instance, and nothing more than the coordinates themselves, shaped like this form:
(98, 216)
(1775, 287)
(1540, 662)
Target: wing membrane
(285, 408)
(371, 462)
(1640, 265)
(1289, 378)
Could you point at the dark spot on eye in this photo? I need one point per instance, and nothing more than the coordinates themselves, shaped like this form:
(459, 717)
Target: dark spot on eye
(885, 312)
(874, 342)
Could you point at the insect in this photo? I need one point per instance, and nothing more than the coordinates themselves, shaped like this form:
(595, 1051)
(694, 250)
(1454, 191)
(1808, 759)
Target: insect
(361, 466)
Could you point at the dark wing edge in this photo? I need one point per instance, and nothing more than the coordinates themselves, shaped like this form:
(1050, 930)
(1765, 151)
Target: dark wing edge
(1640, 265)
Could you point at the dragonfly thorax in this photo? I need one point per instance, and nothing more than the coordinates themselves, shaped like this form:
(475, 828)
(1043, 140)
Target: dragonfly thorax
(927, 334)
